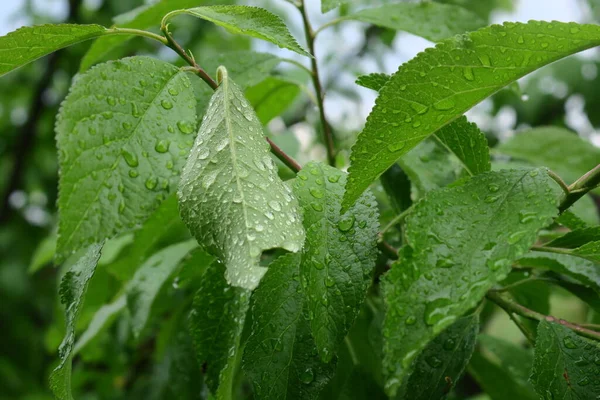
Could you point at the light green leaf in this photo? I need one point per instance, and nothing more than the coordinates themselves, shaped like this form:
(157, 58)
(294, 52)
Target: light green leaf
(442, 274)
(443, 361)
(374, 81)
(565, 366)
(230, 195)
(432, 21)
(140, 18)
(440, 84)
(250, 21)
(497, 382)
(149, 279)
(120, 156)
(72, 293)
(561, 150)
(589, 251)
(43, 255)
(280, 357)
(216, 324)
(246, 68)
(27, 44)
(102, 319)
(272, 97)
(576, 238)
(338, 256)
(328, 5)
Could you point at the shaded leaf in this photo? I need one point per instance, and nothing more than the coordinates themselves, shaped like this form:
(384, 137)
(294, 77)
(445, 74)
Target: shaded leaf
(216, 324)
(27, 44)
(565, 365)
(497, 382)
(102, 319)
(467, 143)
(589, 251)
(149, 279)
(517, 361)
(281, 358)
(442, 274)
(120, 156)
(230, 196)
(576, 238)
(73, 288)
(441, 83)
(272, 97)
(251, 21)
(338, 256)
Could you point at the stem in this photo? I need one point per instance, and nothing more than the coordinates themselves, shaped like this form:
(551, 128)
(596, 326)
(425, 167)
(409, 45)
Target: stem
(329, 24)
(387, 249)
(510, 306)
(310, 39)
(397, 219)
(276, 150)
(521, 282)
(560, 181)
(138, 32)
(171, 43)
(556, 250)
(297, 64)
(284, 158)
(581, 187)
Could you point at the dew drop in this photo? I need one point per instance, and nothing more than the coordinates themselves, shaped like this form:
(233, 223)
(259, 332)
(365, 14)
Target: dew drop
(166, 104)
(151, 183)
(275, 205)
(468, 73)
(410, 320)
(396, 147)
(443, 105)
(162, 146)
(346, 223)
(185, 127)
(569, 343)
(307, 376)
(203, 153)
(316, 192)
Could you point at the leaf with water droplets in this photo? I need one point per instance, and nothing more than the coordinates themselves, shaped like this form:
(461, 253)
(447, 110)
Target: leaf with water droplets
(111, 176)
(73, 288)
(251, 21)
(443, 361)
(464, 70)
(27, 44)
(230, 196)
(586, 272)
(280, 357)
(474, 233)
(338, 256)
(565, 365)
(143, 17)
(149, 279)
(432, 21)
(216, 324)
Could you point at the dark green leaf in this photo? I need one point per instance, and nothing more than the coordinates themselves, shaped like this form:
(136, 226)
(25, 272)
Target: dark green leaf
(216, 324)
(338, 256)
(440, 84)
(230, 195)
(72, 294)
(149, 279)
(281, 358)
(442, 274)
(565, 365)
(576, 238)
(497, 382)
(517, 361)
(397, 185)
(27, 44)
(120, 156)
(467, 143)
(103, 318)
(589, 251)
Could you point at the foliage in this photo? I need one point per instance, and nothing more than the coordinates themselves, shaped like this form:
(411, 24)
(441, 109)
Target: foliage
(196, 258)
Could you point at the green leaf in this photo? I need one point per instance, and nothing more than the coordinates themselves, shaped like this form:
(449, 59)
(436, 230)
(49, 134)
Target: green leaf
(397, 185)
(565, 365)
(216, 324)
(328, 5)
(589, 251)
(443, 361)
(571, 221)
(517, 361)
(102, 319)
(559, 149)
(73, 287)
(432, 21)
(230, 195)
(442, 274)
(27, 44)
(497, 382)
(43, 255)
(250, 21)
(143, 18)
(281, 358)
(338, 256)
(272, 97)
(149, 279)
(441, 83)
(246, 68)
(374, 81)
(576, 238)
(120, 156)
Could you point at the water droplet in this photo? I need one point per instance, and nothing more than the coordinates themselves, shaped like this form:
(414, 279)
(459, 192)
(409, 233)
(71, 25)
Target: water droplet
(445, 104)
(410, 320)
(468, 73)
(111, 101)
(437, 310)
(525, 216)
(491, 199)
(173, 91)
(329, 281)
(449, 344)
(419, 108)
(162, 146)
(444, 263)
(316, 206)
(133, 173)
(333, 178)
(396, 147)
(433, 361)
(569, 343)
(151, 183)
(185, 127)
(493, 188)
(520, 40)
(346, 223)
(203, 153)
(209, 179)
(166, 104)
(516, 236)
(130, 158)
(275, 205)
(485, 60)
(316, 192)
(584, 381)
(307, 376)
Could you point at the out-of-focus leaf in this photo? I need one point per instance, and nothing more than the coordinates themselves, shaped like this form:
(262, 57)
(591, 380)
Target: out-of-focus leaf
(43, 254)
(272, 97)
(102, 319)
(497, 382)
(576, 238)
